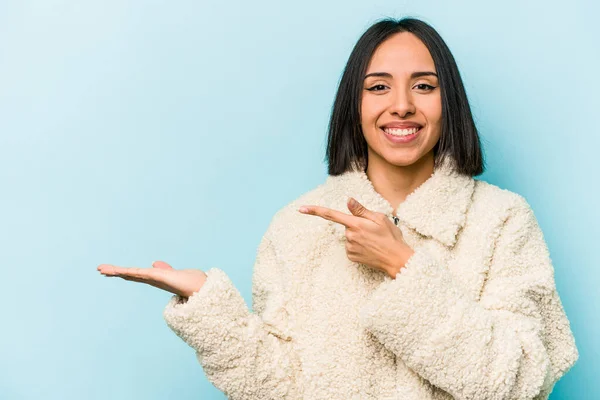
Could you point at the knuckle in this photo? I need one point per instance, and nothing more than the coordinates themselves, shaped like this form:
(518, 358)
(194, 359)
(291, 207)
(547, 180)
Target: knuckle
(349, 249)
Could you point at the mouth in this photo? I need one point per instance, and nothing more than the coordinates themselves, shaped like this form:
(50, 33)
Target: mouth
(401, 132)
(401, 135)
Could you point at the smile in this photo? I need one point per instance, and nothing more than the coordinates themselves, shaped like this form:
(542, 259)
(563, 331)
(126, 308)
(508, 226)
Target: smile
(401, 135)
(400, 132)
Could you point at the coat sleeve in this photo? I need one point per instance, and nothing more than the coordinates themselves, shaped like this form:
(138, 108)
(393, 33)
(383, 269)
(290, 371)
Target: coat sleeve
(515, 342)
(246, 355)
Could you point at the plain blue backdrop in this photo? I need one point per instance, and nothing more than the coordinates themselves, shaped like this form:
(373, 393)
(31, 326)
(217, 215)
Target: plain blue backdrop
(134, 131)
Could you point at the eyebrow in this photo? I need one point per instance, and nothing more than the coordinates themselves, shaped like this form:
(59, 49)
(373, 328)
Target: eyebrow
(416, 74)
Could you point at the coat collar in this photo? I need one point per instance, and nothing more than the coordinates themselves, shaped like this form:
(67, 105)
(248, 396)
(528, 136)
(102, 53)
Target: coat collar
(436, 209)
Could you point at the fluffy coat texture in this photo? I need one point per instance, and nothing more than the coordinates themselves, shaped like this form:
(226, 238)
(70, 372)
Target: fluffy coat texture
(474, 314)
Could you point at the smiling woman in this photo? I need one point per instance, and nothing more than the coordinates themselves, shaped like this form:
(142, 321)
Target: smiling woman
(401, 276)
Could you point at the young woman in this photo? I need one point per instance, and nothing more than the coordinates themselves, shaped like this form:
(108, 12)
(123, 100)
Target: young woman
(401, 276)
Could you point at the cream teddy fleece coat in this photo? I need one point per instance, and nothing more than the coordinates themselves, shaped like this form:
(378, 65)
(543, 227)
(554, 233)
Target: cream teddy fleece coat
(474, 314)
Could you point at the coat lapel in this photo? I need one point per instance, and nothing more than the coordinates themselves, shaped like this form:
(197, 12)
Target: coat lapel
(436, 209)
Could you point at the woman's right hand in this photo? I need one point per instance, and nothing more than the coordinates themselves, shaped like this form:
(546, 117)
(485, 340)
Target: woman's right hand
(183, 282)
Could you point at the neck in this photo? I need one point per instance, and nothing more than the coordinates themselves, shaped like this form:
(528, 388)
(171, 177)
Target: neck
(395, 183)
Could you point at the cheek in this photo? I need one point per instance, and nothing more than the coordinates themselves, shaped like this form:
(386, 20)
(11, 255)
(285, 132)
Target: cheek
(433, 113)
(365, 111)
(370, 110)
(432, 109)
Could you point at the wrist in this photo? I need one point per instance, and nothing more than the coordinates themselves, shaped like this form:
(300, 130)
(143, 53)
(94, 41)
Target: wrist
(399, 261)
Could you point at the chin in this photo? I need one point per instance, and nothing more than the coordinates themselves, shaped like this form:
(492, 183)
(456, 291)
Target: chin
(404, 163)
(402, 157)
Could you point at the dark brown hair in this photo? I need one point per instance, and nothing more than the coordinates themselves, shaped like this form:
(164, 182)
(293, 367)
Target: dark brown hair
(459, 138)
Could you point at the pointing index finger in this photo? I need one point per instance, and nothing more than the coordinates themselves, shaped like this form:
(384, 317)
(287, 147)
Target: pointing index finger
(329, 214)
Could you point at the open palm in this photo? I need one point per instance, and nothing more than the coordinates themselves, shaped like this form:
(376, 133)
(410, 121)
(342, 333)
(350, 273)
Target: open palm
(182, 282)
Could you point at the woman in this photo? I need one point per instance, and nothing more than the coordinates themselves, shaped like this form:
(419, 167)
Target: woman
(401, 276)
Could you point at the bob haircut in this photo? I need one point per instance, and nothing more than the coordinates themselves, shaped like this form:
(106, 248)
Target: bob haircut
(459, 139)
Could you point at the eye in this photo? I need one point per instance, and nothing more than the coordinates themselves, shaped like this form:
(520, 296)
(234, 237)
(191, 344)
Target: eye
(373, 88)
(426, 87)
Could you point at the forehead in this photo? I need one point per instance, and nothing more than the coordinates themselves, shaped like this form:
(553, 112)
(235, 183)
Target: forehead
(401, 52)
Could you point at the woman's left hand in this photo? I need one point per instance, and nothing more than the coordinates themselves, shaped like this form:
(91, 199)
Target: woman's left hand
(372, 239)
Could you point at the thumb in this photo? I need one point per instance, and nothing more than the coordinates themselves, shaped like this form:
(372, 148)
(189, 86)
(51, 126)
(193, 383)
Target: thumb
(359, 210)
(161, 265)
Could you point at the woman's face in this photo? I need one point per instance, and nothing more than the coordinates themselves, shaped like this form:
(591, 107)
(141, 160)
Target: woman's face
(396, 95)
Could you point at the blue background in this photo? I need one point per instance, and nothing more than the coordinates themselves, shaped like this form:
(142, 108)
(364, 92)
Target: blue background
(134, 131)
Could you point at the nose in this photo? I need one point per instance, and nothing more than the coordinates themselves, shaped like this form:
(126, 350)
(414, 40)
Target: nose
(402, 103)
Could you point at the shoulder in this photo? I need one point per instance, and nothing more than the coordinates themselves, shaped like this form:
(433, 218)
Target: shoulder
(290, 227)
(491, 198)
(506, 215)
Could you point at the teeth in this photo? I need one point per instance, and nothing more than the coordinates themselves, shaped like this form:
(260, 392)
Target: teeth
(401, 132)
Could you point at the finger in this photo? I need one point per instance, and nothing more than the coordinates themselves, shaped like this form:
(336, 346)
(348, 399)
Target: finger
(161, 265)
(129, 278)
(107, 269)
(146, 281)
(113, 270)
(349, 221)
(359, 210)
